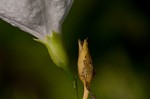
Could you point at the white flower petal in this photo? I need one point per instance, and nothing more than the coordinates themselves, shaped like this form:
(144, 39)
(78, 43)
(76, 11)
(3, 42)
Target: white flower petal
(38, 17)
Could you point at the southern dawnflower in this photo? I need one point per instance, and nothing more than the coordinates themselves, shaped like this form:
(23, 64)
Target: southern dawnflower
(42, 19)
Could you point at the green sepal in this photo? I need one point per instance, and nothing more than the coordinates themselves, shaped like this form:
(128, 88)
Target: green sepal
(56, 49)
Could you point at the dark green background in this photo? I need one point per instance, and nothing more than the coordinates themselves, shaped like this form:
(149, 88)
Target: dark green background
(119, 42)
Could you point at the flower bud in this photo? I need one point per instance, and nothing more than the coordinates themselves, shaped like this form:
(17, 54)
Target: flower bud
(85, 67)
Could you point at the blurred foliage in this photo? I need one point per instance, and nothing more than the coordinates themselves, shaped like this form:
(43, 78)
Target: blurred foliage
(119, 42)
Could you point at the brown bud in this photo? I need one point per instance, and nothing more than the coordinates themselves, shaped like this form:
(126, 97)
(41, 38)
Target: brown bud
(85, 67)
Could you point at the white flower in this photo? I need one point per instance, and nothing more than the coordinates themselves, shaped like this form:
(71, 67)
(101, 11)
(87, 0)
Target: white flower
(37, 17)
(42, 19)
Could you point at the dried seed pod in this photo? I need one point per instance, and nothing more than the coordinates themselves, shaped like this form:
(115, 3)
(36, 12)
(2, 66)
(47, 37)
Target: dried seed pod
(85, 67)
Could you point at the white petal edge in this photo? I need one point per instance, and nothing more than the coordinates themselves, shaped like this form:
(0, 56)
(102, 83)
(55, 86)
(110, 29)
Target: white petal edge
(22, 27)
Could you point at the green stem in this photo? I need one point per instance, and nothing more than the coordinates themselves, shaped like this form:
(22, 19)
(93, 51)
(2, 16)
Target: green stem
(72, 78)
(75, 87)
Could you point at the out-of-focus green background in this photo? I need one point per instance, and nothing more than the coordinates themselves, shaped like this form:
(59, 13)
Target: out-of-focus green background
(119, 42)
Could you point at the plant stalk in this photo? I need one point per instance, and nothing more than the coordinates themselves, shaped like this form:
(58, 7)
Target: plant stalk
(74, 82)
